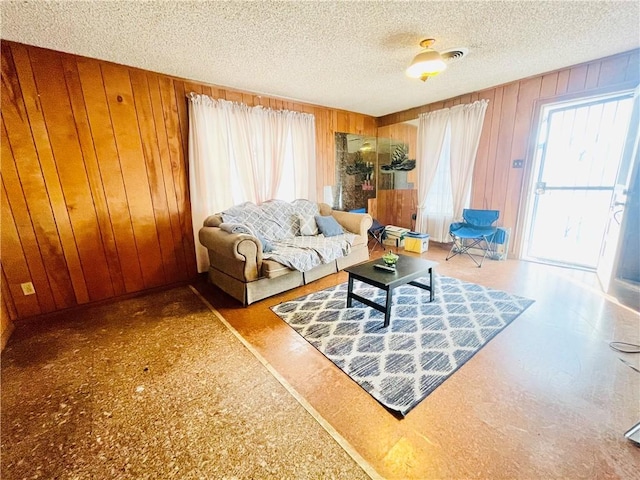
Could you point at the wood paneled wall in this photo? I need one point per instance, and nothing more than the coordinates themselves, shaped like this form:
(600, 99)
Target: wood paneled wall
(510, 124)
(394, 207)
(95, 200)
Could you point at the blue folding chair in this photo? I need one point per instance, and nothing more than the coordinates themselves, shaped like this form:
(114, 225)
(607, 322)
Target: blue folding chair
(475, 231)
(377, 232)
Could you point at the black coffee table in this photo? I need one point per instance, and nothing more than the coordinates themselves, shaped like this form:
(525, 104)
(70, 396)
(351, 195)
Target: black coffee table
(406, 271)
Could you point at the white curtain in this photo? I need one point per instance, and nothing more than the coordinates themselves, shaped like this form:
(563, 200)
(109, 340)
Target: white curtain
(239, 153)
(241, 148)
(447, 146)
(209, 166)
(432, 127)
(303, 142)
(274, 146)
(267, 140)
(258, 140)
(466, 127)
(439, 204)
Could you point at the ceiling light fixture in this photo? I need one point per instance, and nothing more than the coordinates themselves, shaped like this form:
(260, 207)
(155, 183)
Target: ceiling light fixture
(427, 63)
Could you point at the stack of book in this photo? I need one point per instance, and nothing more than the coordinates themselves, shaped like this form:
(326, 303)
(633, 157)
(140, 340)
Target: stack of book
(394, 236)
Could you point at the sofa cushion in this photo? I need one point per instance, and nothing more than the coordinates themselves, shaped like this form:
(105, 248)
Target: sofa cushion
(308, 225)
(328, 226)
(273, 269)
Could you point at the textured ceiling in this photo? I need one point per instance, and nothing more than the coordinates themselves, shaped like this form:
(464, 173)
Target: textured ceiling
(348, 55)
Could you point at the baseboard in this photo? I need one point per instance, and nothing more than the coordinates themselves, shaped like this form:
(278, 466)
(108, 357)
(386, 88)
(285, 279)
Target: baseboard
(627, 293)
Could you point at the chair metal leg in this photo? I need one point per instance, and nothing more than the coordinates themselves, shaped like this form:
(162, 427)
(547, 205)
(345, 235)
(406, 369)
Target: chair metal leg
(377, 240)
(459, 247)
(455, 248)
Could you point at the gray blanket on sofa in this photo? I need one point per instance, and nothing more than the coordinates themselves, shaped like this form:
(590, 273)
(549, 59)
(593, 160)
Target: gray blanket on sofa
(277, 221)
(305, 253)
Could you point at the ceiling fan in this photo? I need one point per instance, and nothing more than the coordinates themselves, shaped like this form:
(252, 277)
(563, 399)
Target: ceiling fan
(430, 63)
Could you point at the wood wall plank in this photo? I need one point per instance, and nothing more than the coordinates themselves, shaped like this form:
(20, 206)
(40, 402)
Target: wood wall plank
(577, 78)
(183, 117)
(234, 96)
(563, 81)
(7, 313)
(7, 300)
(372, 207)
(549, 85)
(593, 74)
(6, 323)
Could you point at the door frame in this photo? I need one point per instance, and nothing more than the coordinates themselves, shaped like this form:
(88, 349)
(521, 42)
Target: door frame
(628, 292)
(528, 180)
(607, 273)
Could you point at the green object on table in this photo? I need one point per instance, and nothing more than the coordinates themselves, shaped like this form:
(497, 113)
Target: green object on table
(390, 258)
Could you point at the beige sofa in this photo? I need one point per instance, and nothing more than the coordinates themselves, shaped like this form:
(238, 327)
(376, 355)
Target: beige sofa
(237, 266)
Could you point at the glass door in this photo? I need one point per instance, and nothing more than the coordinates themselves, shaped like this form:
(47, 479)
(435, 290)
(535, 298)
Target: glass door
(577, 162)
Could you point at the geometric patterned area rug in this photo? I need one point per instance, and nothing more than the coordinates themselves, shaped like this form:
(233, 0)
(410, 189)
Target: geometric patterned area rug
(424, 344)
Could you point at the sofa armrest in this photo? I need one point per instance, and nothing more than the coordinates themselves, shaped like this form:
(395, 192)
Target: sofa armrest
(236, 254)
(354, 222)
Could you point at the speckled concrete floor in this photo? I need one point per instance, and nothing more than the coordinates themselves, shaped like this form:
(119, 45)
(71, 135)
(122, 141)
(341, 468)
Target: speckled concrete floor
(155, 387)
(152, 387)
(546, 398)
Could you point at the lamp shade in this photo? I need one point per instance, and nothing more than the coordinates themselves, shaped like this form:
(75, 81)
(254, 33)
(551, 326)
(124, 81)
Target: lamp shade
(426, 64)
